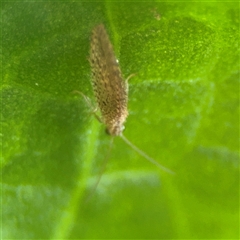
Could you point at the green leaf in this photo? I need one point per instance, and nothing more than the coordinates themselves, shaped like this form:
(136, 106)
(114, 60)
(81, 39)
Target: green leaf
(183, 112)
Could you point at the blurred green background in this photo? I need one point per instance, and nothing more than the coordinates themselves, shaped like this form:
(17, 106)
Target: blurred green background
(183, 105)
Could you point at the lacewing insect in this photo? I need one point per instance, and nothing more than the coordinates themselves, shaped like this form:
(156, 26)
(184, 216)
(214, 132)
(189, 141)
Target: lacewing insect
(110, 90)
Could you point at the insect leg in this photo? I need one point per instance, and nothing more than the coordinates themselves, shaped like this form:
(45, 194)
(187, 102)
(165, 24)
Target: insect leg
(130, 76)
(94, 109)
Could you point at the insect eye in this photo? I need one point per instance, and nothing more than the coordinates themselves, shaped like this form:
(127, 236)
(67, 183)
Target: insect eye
(107, 131)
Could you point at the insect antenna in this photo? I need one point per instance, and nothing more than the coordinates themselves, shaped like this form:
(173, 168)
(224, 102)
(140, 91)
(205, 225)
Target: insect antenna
(143, 154)
(103, 168)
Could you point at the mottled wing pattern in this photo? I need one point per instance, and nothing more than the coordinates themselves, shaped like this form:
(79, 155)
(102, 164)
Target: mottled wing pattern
(111, 91)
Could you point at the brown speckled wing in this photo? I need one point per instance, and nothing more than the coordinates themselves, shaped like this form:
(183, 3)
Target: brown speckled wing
(110, 90)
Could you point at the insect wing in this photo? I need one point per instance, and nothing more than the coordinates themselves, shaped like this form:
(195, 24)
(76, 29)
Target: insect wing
(109, 88)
